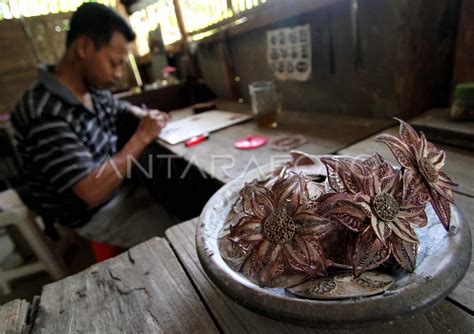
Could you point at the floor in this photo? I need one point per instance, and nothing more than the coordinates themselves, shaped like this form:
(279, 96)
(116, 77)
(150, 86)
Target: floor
(77, 257)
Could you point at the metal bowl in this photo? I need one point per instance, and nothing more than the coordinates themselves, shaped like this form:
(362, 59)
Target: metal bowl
(442, 262)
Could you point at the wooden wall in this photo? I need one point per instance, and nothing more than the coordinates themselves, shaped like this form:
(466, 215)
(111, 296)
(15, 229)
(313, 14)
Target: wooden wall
(425, 48)
(406, 46)
(464, 60)
(20, 55)
(17, 64)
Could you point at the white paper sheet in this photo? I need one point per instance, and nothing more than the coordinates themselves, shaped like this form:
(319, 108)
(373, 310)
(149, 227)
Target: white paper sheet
(183, 129)
(289, 52)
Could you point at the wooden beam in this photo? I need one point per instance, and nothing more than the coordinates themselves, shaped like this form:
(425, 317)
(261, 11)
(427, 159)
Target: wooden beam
(267, 14)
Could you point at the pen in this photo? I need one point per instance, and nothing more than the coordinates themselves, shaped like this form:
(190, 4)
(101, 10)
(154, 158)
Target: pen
(196, 140)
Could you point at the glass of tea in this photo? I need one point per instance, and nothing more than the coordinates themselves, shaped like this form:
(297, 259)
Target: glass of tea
(266, 103)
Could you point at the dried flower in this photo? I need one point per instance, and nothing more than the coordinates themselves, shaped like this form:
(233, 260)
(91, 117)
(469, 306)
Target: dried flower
(369, 199)
(279, 232)
(424, 162)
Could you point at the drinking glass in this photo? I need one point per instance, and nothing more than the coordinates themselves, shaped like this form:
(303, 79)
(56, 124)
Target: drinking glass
(266, 103)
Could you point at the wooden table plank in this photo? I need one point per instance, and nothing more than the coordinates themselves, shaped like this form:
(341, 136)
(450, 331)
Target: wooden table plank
(447, 318)
(459, 162)
(13, 316)
(233, 318)
(464, 292)
(218, 157)
(144, 290)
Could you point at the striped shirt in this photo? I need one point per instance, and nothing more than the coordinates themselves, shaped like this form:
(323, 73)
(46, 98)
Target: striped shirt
(61, 141)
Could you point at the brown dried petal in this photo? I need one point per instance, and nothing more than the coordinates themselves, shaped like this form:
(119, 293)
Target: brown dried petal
(407, 133)
(345, 175)
(437, 158)
(340, 207)
(334, 176)
(317, 228)
(381, 229)
(302, 159)
(289, 192)
(411, 211)
(306, 255)
(414, 189)
(272, 265)
(389, 182)
(419, 221)
(404, 253)
(369, 252)
(446, 181)
(353, 220)
(399, 149)
(403, 230)
(256, 200)
(234, 255)
(442, 208)
(373, 161)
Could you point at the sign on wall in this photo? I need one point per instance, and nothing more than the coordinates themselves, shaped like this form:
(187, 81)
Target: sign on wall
(289, 52)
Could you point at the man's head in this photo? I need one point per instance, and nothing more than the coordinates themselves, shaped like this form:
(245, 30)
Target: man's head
(99, 38)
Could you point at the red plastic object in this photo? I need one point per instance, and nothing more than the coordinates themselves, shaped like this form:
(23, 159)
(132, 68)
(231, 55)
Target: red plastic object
(103, 252)
(250, 142)
(196, 140)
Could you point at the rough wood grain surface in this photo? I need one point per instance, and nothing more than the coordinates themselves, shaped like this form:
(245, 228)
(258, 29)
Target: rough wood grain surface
(233, 318)
(17, 64)
(218, 157)
(464, 292)
(13, 316)
(464, 61)
(459, 162)
(143, 290)
(424, 52)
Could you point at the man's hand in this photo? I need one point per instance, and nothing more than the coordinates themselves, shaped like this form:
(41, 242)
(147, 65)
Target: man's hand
(151, 125)
(95, 188)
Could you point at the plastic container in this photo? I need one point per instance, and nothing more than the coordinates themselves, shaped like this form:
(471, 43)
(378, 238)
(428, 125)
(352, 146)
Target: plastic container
(463, 106)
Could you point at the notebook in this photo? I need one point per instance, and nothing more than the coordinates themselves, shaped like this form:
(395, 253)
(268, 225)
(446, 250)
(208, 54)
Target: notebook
(183, 129)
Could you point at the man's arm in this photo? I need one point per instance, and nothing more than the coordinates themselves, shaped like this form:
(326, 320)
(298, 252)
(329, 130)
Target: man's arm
(95, 188)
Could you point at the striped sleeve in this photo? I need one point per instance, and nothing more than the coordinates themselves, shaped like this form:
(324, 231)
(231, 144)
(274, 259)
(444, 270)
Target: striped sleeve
(121, 106)
(59, 154)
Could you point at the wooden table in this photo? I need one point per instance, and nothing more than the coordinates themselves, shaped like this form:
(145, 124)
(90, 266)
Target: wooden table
(233, 318)
(160, 286)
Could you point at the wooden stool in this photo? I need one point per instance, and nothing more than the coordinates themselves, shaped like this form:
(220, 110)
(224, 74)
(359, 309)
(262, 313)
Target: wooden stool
(14, 212)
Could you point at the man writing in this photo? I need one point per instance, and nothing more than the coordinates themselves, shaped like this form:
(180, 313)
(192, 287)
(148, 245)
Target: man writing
(66, 128)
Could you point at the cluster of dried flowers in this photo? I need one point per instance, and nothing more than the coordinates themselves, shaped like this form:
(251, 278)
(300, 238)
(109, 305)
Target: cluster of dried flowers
(291, 228)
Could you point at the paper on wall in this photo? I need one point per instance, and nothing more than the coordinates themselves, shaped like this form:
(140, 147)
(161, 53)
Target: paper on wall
(289, 52)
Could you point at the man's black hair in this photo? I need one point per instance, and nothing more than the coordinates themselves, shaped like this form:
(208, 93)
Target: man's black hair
(98, 22)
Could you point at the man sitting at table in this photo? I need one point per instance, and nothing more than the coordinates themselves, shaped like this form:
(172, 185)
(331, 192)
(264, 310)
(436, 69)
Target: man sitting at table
(66, 128)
